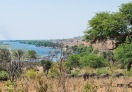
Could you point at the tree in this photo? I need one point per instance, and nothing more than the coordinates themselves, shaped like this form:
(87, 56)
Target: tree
(18, 54)
(106, 25)
(5, 57)
(32, 54)
(126, 10)
(46, 65)
(93, 61)
(123, 54)
(7, 64)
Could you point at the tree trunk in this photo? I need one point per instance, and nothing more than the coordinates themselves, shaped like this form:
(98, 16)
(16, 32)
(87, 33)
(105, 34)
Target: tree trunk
(129, 66)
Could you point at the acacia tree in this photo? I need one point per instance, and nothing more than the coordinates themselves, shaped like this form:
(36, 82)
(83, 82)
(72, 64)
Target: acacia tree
(106, 25)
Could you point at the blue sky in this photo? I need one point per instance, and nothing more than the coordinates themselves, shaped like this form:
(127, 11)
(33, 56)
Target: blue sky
(49, 19)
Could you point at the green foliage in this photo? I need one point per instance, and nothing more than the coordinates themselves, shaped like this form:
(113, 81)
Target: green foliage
(5, 55)
(31, 74)
(93, 61)
(3, 75)
(73, 61)
(84, 54)
(75, 73)
(109, 55)
(128, 39)
(46, 65)
(32, 54)
(82, 48)
(123, 53)
(126, 10)
(74, 47)
(106, 25)
(102, 70)
(53, 71)
(95, 51)
(10, 86)
(41, 43)
(18, 53)
(90, 87)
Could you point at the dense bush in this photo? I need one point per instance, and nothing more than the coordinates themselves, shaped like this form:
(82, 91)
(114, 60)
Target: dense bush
(123, 54)
(73, 61)
(93, 61)
(82, 48)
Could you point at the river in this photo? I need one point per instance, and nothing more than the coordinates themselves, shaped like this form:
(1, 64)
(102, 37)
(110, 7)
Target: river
(41, 51)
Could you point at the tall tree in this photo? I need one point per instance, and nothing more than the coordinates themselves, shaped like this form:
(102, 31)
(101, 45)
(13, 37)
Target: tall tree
(106, 25)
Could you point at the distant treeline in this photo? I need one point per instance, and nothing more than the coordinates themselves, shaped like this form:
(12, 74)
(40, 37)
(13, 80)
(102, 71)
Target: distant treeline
(44, 43)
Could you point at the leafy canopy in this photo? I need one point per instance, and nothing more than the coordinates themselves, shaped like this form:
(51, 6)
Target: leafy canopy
(106, 25)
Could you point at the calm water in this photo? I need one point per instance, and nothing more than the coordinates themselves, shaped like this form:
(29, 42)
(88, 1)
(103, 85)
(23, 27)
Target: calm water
(42, 51)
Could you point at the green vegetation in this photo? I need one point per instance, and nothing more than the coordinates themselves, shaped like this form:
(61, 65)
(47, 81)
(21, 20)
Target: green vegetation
(32, 54)
(41, 43)
(123, 54)
(81, 48)
(106, 25)
(46, 65)
(93, 61)
(3, 75)
(73, 61)
(32, 74)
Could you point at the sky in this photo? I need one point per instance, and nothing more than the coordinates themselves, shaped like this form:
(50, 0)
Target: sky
(49, 19)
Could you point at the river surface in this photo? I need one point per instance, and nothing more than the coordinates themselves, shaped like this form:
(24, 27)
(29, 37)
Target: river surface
(41, 51)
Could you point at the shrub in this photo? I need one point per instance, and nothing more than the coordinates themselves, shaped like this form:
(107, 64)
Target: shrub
(3, 75)
(90, 87)
(53, 72)
(10, 86)
(31, 74)
(102, 70)
(123, 54)
(46, 65)
(93, 61)
(75, 73)
(73, 61)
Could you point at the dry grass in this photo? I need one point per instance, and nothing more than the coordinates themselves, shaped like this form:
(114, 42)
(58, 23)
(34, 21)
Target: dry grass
(71, 85)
